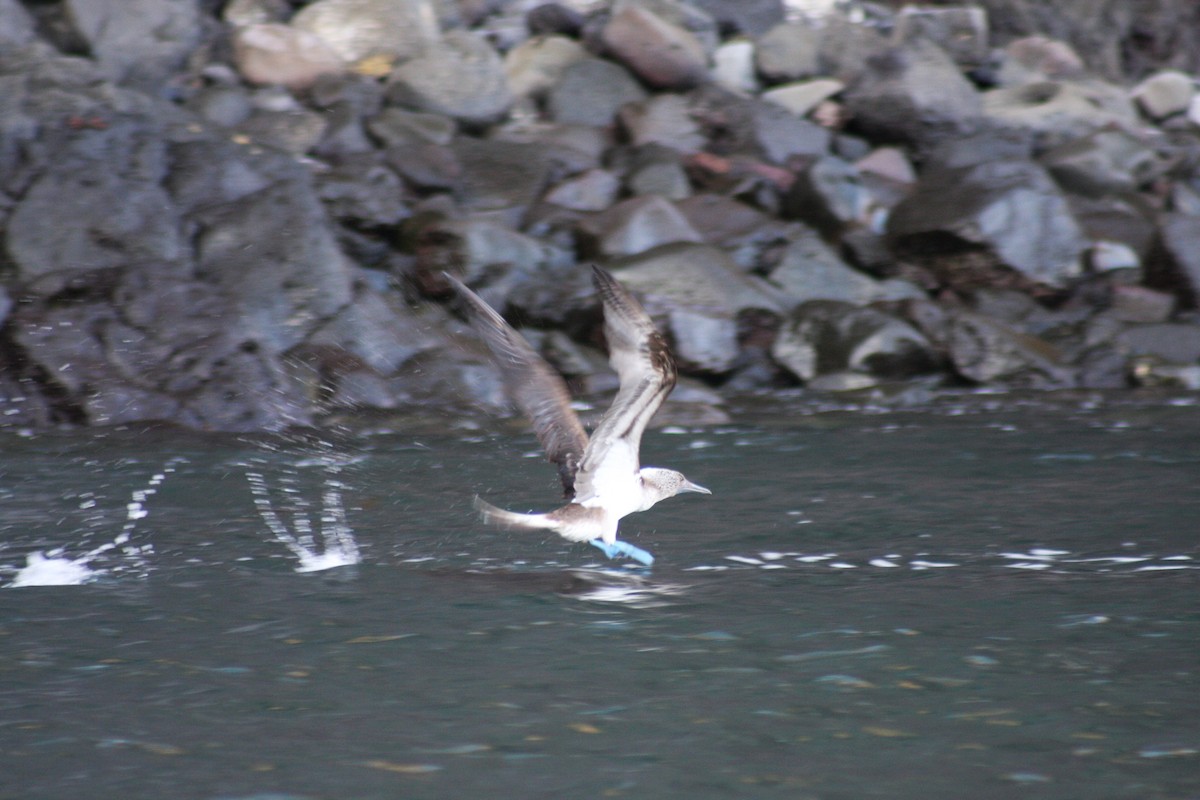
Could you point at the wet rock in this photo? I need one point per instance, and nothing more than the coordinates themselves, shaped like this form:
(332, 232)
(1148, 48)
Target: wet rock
(1174, 343)
(537, 64)
(789, 52)
(986, 351)
(552, 18)
(749, 17)
(398, 127)
(734, 124)
(109, 187)
(663, 55)
(1013, 210)
(364, 192)
(831, 338)
(223, 106)
(274, 53)
(593, 190)
(1104, 162)
(810, 270)
(733, 67)
(377, 333)
(1164, 94)
(662, 176)
(16, 25)
(462, 78)
(635, 226)
(915, 92)
(240, 13)
(499, 177)
(278, 287)
(889, 163)
(1180, 269)
(848, 47)
(741, 230)
(294, 130)
(1127, 221)
(1056, 112)
(139, 41)
(1149, 371)
(1139, 304)
(394, 30)
(829, 194)
(801, 98)
(666, 120)
(962, 31)
(1032, 59)
(591, 91)
(476, 249)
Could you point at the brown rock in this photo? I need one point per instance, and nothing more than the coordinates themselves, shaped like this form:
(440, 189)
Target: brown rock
(661, 54)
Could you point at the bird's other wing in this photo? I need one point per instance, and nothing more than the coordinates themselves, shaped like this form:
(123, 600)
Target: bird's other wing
(533, 385)
(639, 354)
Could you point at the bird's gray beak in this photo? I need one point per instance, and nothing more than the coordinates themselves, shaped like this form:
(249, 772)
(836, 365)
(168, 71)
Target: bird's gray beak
(688, 486)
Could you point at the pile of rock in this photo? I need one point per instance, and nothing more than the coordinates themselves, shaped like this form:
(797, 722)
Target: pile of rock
(239, 220)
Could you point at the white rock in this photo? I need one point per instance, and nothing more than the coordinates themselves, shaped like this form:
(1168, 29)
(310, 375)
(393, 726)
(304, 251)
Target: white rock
(360, 29)
(538, 63)
(801, 98)
(733, 67)
(1164, 94)
(272, 53)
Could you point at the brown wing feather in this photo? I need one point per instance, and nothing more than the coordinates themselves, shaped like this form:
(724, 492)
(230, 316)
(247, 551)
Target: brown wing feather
(534, 386)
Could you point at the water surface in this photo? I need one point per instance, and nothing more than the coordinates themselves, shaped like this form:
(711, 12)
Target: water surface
(978, 601)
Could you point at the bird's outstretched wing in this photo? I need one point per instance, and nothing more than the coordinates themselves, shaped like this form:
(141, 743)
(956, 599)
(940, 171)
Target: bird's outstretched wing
(534, 386)
(639, 354)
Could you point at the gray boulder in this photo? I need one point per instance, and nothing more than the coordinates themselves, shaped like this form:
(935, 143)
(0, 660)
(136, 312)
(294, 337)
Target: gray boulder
(1011, 209)
(962, 31)
(810, 270)
(699, 294)
(500, 178)
(1180, 269)
(826, 337)
(635, 226)
(1105, 162)
(987, 351)
(591, 91)
(790, 51)
(138, 41)
(1056, 112)
(462, 78)
(829, 194)
(916, 93)
(663, 55)
(737, 125)
(1174, 343)
(17, 27)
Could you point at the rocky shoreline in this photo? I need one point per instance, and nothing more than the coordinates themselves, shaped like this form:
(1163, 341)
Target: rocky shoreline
(235, 216)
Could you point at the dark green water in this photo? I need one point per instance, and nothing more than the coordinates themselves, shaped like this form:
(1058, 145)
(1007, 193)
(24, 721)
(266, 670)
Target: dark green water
(984, 603)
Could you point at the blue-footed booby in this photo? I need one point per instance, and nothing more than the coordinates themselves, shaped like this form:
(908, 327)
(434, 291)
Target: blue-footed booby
(602, 477)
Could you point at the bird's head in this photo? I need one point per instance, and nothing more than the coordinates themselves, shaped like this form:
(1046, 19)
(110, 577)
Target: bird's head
(663, 483)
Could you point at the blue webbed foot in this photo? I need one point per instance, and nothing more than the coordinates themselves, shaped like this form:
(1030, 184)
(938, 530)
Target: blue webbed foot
(618, 548)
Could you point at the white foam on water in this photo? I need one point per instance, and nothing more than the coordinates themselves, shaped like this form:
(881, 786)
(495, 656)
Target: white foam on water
(52, 570)
(337, 546)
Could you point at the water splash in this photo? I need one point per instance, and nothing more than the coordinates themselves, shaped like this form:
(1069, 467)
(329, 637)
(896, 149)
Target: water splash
(54, 568)
(337, 546)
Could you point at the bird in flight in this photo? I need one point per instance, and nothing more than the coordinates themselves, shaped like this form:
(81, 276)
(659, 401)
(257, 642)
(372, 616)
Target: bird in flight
(602, 477)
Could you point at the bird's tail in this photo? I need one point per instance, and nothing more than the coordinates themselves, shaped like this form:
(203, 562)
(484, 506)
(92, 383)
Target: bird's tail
(510, 519)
